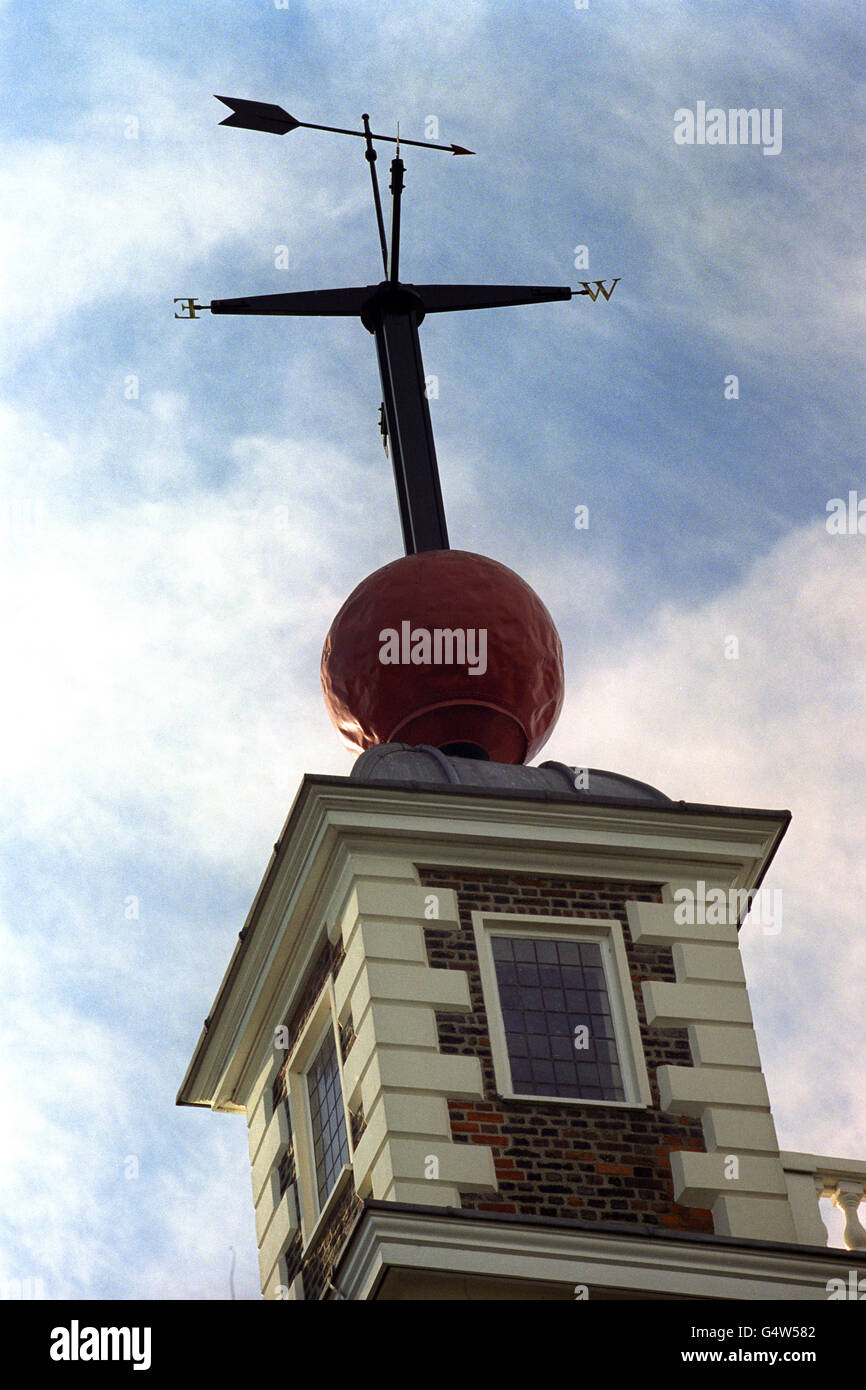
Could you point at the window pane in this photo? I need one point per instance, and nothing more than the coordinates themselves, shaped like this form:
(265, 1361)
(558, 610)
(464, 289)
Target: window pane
(603, 1028)
(572, 976)
(560, 987)
(330, 1145)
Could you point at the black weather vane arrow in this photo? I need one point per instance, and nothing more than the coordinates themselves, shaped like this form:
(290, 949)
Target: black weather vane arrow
(391, 311)
(262, 115)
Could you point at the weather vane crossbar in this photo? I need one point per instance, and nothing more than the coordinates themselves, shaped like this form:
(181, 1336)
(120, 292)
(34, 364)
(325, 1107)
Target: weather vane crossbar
(391, 310)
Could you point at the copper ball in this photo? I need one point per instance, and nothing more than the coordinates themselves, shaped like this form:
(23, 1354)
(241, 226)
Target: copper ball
(449, 649)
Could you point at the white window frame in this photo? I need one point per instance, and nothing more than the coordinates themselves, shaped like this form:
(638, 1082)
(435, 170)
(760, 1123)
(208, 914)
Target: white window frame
(608, 934)
(323, 1015)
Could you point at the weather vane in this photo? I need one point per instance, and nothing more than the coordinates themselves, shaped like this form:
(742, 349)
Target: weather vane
(392, 311)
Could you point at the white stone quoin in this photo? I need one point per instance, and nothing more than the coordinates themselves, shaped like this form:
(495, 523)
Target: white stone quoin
(740, 1178)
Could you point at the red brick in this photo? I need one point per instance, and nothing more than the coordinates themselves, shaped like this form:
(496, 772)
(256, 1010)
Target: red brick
(541, 1136)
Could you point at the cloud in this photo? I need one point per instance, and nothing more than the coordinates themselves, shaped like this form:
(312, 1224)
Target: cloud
(155, 645)
(121, 210)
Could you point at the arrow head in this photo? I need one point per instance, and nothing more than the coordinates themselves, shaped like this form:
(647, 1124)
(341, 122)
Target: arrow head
(258, 115)
(458, 149)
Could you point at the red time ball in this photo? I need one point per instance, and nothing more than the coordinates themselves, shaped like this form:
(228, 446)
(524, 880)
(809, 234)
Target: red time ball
(449, 649)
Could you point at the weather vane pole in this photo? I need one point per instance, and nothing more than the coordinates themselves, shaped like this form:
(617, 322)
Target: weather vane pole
(391, 311)
(377, 201)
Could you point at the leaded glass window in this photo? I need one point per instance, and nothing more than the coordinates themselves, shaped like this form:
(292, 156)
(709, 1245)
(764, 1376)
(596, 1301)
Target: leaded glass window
(559, 1026)
(327, 1117)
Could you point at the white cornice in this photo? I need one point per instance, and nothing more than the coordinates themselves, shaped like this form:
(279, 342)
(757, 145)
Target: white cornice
(615, 1262)
(333, 819)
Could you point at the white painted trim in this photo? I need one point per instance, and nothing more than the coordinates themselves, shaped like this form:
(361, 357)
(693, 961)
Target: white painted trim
(322, 1015)
(280, 1231)
(677, 1005)
(829, 1170)
(607, 932)
(278, 1136)
(269, 1200)
(724, 1045)
(655, 924)
(617, 1263)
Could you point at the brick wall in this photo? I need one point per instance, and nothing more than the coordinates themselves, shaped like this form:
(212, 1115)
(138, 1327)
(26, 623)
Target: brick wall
(318, 1267)
(592, 1162)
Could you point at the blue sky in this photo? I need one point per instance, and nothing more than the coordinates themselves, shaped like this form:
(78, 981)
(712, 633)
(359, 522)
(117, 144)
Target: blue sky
(185, 507)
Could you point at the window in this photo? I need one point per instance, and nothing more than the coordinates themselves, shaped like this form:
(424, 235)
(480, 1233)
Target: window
(556, 1011)
(561, 1010)
(322, 1145)
(327, 1119)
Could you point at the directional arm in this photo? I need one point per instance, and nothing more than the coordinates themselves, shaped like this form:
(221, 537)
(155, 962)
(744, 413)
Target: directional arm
(438, 298)
(434, 299)
(348, 302)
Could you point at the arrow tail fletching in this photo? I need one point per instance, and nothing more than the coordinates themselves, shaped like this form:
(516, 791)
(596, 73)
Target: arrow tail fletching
(258, 115)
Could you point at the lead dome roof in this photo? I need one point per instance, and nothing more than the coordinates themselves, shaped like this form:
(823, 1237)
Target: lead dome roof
(401, 762)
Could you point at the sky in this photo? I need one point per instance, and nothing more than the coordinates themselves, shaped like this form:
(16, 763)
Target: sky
(186, 505)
